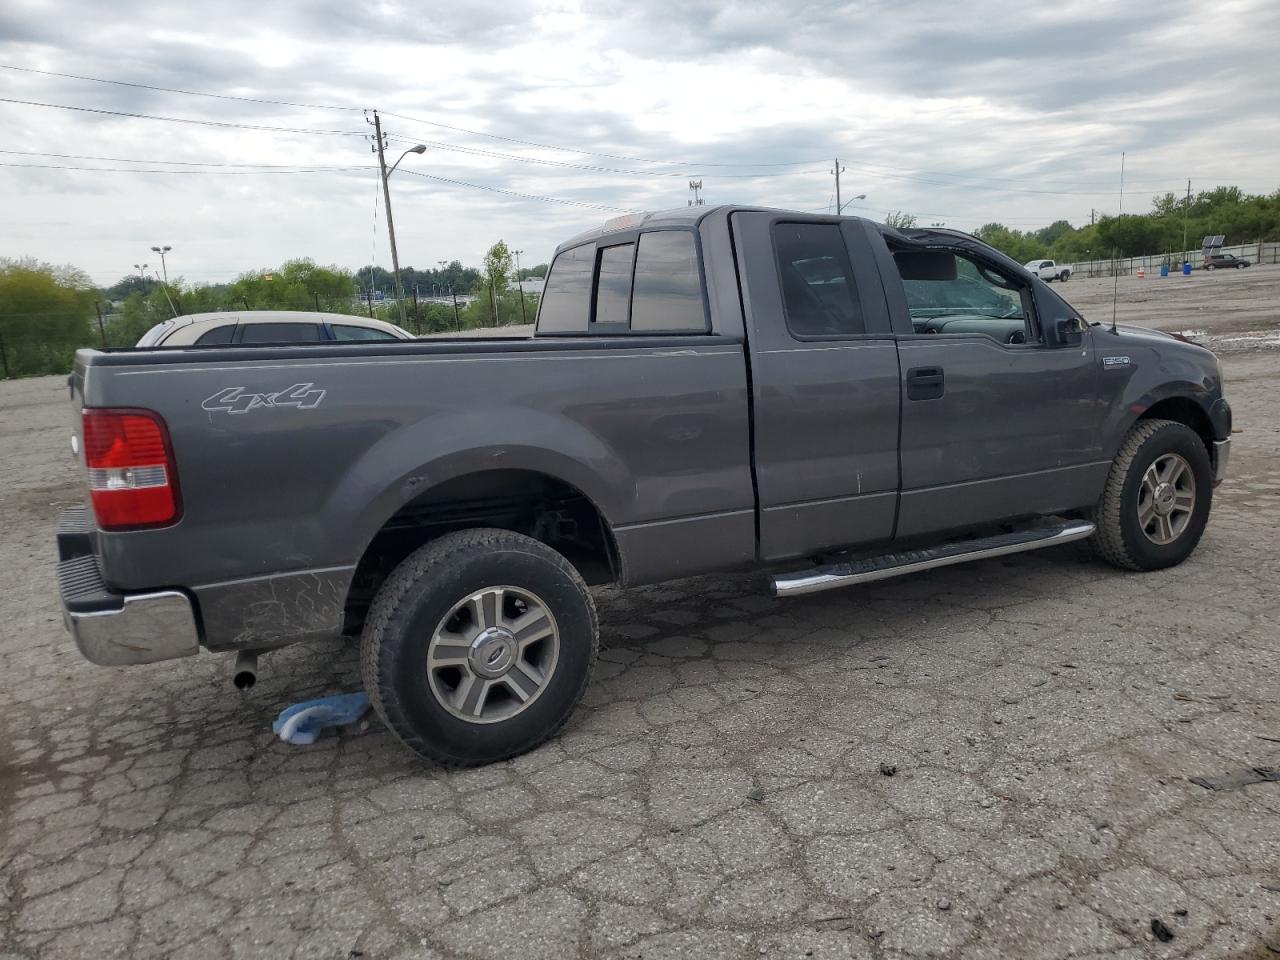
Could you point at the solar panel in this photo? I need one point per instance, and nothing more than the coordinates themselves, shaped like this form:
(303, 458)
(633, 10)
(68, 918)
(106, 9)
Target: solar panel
(1213, 242)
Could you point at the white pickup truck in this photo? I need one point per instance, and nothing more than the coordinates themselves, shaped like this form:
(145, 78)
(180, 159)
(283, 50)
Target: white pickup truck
(1048, 270)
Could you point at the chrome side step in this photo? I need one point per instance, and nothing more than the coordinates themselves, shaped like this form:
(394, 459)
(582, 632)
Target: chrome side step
(831, 576)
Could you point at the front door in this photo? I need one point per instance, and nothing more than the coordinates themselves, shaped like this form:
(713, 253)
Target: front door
(1000, 415)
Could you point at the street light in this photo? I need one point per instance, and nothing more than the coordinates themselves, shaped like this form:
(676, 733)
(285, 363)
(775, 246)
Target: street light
(386, 196)
(141, 268)
(840, 211)
(163, 266)
(520, 286)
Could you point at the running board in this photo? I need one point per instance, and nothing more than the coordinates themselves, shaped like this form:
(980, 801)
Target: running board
(830, 576)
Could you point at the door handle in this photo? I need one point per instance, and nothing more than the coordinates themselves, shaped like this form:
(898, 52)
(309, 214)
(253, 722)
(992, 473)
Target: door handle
(925, 383)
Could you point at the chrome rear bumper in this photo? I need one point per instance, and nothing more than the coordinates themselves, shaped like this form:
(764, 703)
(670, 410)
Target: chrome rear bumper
(115, 629)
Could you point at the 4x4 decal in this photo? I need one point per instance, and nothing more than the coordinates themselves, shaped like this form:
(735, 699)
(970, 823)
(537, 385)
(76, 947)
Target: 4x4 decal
(233, 400)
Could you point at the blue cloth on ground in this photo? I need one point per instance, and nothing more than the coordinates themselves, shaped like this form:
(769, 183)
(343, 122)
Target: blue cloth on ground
(301, 723)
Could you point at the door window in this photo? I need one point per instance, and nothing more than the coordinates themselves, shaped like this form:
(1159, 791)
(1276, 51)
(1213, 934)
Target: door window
(818, 292)
(280, 333)
(949, 293)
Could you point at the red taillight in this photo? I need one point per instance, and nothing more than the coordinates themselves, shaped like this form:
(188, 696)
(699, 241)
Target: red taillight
(132, 477)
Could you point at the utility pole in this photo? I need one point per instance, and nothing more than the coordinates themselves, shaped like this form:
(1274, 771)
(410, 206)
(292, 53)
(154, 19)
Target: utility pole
(1186, 212)
(524, 318)
(101, 329)
(456, 321)
(695, 186)
(837, 170)
(391, 224)
(1091, 218)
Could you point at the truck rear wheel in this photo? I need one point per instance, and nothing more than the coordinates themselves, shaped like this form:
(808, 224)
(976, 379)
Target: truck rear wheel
(1064, 276)
(479, 646)
(1156, 502)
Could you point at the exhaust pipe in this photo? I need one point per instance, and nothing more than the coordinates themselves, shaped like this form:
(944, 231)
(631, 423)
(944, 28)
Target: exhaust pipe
(246, 669)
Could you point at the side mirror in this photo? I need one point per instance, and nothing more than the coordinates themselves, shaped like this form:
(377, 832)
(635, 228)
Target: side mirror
(1070, 332)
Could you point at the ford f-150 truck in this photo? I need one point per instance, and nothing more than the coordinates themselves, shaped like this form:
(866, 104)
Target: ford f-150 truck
(707, 389)
(1048, 270)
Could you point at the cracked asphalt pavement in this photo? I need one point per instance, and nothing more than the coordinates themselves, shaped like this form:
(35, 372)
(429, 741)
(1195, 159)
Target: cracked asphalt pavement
(986, 761)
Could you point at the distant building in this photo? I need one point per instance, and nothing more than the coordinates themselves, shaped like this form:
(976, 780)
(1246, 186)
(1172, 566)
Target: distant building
(533, 286)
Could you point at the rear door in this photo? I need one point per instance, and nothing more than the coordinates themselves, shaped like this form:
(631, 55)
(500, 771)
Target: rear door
(824, 383)
(999, 419)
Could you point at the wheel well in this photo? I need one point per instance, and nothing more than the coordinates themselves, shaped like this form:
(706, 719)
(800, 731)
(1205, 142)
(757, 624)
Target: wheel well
(535, 504)
(1186, 411)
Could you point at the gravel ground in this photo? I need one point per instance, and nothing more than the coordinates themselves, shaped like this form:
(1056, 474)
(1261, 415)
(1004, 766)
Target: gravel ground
(987, 761)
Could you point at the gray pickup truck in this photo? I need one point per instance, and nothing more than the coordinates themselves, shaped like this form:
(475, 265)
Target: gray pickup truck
(708, 389)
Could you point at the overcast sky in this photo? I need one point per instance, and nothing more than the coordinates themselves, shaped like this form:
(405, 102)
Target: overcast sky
(958, 113)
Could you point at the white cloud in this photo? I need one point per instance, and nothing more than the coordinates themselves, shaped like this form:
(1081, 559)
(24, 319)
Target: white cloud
(995, 112)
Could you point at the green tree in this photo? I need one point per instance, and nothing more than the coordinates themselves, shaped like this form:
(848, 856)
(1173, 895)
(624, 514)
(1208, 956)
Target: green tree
(297, 285)
(490, 290)
(45, 315)
(900, 220)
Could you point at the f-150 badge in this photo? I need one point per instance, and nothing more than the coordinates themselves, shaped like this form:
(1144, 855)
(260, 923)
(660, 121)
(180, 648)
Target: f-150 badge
(234, 400)
(1114, 362)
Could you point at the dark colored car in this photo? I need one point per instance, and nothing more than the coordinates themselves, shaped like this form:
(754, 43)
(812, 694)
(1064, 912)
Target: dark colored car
(1224, 261)
(711, 388)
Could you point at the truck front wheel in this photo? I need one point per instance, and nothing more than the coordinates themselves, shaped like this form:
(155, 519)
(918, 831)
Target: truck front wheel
(1157, 498)
(479, 646)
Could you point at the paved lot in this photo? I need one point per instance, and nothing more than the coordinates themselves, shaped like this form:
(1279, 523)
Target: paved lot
(719, 795)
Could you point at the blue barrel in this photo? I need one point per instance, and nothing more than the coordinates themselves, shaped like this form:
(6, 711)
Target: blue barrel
(1186, 268)
(1164, 269)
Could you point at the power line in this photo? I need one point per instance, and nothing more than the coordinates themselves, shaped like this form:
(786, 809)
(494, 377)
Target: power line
(178, 163)
(224, 173)
(203, 123)
(476, 151)
(516, 193)
(590, 153)
(188, 93)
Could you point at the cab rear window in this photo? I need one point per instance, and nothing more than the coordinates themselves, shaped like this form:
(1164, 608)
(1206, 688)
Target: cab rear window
(652, 284)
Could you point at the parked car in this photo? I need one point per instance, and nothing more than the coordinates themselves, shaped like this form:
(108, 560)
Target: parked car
(1049, 270)
(708, 389)
(245, 327)
(1223, 261)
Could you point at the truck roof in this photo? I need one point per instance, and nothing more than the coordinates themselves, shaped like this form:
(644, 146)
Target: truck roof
(691, 216)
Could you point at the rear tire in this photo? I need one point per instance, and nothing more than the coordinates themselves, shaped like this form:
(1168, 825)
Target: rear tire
(479, 646)
(1209, 266)
(1157, 499)
(1064, 276)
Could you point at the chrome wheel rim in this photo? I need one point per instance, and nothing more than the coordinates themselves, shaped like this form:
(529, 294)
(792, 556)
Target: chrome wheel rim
(1166, 499)
(493, 654)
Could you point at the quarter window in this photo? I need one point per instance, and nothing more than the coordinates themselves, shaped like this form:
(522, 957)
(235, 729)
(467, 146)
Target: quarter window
(222, 334)
(818, 291)
(343, 331)
(668, 287)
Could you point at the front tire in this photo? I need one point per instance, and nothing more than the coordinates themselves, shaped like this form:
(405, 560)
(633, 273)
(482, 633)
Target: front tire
(1156, 502)
(479, 646)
